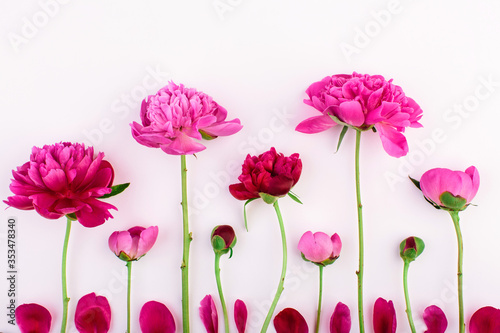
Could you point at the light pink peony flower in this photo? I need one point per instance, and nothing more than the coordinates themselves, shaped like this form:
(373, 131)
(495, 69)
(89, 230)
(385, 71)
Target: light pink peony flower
(33, 318)
(155, 317)
(320, 248)
(363, 102)
(93, 314)
(176, 116)
(134, 243)
(61, 179)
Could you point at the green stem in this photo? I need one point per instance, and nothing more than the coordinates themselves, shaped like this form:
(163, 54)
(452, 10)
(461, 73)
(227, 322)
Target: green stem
(129, 287)
(64, 284)
(187, 237)
(283, 271)
(456, 223)
(221, 295)
(407, 296)
(320, 297)
(360, 235)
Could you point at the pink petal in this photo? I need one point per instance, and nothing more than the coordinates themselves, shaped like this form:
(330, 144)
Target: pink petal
(155, 317)
(394, 142)
(290, 321)
(435, 320)
(93, 314)
(208, 314)
(240, 192)
(183, 145)
(55, 180)
(223, 128)
(340, 322)
(384, 317)
(485, 320)
(436, 181)
(474, 176)
(315, 124)
(240, 315)
(33, 318)
(97, 215)
(317, 247)
(147, 240)
(337, 245)
(120, 241)
(20, 202)
(351, 113)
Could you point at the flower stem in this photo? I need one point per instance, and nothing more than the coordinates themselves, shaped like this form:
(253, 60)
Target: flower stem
(129, 269)
(407, 296)
(187, 237)
(456, 223)
(64, 285)
(320, 297)
(283, 270)
(221, 295)
(360, 235)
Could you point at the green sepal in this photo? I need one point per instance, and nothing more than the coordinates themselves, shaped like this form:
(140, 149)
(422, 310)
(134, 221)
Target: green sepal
(245, 211)
(230, 252)
(374, 129)
(71, 216)
(410, 254)
(269, 199)
(218, 243)
(338, 121)
(341, 137)
(435, 205)
(415, 182)
(123, 256)
(452, 202)
(206, 136)
(294, 197)
(117, 189)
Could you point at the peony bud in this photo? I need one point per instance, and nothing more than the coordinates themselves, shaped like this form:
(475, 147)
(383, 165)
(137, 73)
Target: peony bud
(134, 243)
(319, 248)
(223, 239)
(411, 248)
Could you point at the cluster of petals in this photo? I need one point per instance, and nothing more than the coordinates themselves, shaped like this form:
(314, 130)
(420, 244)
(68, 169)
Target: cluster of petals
(134, 243)
(320, 248)
(363, 101)
(62, 179)
(176, 117)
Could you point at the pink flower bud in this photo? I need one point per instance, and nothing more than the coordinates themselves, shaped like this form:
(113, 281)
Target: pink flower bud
(133, 243)
(320, 248)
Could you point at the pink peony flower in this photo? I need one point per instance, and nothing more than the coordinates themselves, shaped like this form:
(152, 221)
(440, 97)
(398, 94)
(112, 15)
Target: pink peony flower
(270, 174)
(155, 317)
(485, 320)
(61, 179)
(340, 322)
(384, 316)
(290, 320)
(177, 115)
(363, 102)
(208, 314)
(435, 320)
(320, 248)
(33, 318)
(240, 315)
(134, 243)
(93, 314)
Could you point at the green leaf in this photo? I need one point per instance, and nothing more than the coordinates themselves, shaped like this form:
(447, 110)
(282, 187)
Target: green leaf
(245, 211)
(415, 182)
(294, 197)
(341, 137)
(117, 189)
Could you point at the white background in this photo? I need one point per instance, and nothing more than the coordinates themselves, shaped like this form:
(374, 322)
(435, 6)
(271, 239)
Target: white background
(77, 71)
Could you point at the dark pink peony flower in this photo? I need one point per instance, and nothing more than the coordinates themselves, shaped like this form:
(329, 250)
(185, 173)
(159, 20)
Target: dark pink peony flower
(93, 314)
(341, 319)
(290, 321)
(134, 243)
(155, 317)
(33, 318)
(240, 315)
(384, 316)
(485, 320)
(363, 101)
(452, 190)
(177, 116)
(269, 174)
(435, 320)
(320, 248)
(208, 314)
(62, 179)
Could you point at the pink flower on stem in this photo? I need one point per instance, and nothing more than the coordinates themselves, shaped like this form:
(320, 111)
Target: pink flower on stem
(485, 320)
(93, 314)
(240, 315)
(384, 317)
(340, 322)
(155, 317)
(435, 319)
(290, 320)
(320, 248)
(363, 102)
(134, 243)
(208, 314)
(64, 179)
(33, 318)
(176, 117)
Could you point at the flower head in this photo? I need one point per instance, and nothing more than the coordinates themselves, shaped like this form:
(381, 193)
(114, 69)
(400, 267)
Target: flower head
(177, 116)
(33, 318)
(270, 175)
(320, 248)
(64, 179)
(223, 239)
(134, 243)
(340, 322)
(384, 316)
(485, 320)
(93, 314)
(290, 320)
(155, 317)
(435, 320)
(363, 101)
(208, 314)
(450, 190)
(411, 248)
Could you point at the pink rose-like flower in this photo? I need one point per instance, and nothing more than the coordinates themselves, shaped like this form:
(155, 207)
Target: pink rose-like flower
(452, 190)
(155, 317)
(208, 314)
(177, 116)
(320, 248)
(384, 316)
(134, 243)
(435, 320)
(269, 174)
(93, 314)
(290, 320)
(485, 320)
(33, 318)
(340, 322)
(363, 101)
(61, 179)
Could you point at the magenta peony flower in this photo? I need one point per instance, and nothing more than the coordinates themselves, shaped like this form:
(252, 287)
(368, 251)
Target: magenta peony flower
(435, 320)
(269, 174)
(485, 320)
(62, 179)
(363, 102)
(155, 317)
(208, 314)
(340, 322)
(384, 316)
(33, 318)
(177, 115)
(240, 315)
(320, 248)
(134, 243)
(93, 314)
(290, 321)
(450, 190)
